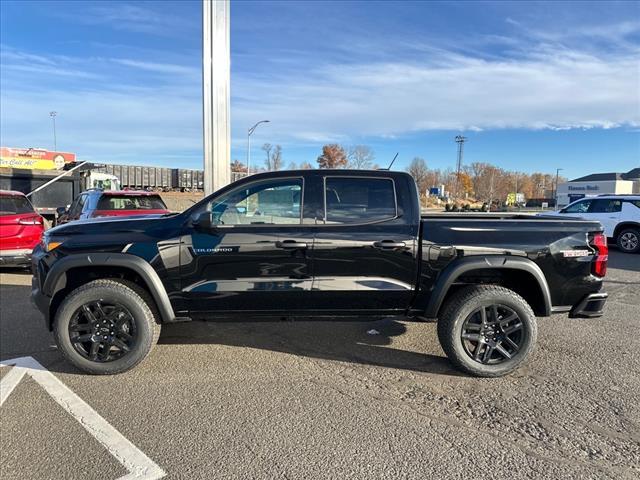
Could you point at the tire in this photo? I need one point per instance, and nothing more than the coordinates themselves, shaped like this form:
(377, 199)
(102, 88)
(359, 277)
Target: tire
(462, 314)
(628, 240)
(132, 303)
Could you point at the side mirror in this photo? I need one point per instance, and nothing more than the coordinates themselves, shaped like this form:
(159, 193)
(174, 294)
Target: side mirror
(203, 221)
(61, 211)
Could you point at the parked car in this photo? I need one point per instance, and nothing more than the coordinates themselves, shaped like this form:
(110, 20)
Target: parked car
(21, 228)
(112, 203)
(317, 243)
(618, 214)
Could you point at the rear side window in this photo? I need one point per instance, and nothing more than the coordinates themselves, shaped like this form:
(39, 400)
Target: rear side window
(359, 200)
(131, 202)
(635, 202)
(605, 206)
(14, 204)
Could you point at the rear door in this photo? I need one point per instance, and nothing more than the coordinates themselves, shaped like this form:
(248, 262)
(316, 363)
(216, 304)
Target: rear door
(607, 212)
(364, 247)
(256, 258)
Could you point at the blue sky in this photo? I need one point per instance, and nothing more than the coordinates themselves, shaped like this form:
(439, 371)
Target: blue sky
(534, 86)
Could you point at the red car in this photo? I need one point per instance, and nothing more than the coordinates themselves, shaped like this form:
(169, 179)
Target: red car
(112, 203)
(21, 229)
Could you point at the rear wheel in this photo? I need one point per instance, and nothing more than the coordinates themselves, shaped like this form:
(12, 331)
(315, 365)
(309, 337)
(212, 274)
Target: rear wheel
(487, 330)
(628, 240)
(106, 326)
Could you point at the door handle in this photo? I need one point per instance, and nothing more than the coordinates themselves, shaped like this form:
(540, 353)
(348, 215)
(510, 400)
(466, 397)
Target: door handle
(384, 244)
(291, 244)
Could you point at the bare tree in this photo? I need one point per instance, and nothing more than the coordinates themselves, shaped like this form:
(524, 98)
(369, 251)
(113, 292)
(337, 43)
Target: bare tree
(292, 166)
(333, 156)
(238, 166)
(274, 157)
(306, 166)
(360, 157)
(419, 171)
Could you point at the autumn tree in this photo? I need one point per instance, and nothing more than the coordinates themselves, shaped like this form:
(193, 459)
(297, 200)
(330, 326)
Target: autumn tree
(360, 157)
(238, 166)
(333, 156)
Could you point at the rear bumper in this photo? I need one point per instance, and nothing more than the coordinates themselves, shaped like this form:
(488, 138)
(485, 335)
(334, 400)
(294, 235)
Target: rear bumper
(590, 306)
(15, 258)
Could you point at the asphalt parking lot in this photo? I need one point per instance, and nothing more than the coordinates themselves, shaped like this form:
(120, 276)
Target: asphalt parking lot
(327, 400)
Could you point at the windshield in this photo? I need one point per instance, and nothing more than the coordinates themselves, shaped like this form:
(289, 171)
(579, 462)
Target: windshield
(131, 202)
(14, 204)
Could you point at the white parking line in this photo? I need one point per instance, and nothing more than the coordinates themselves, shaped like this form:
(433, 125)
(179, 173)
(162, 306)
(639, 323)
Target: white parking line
(134, 460)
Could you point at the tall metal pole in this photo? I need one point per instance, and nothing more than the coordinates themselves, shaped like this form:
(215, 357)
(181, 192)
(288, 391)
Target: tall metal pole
(55, 140)
(460, 141)
(555, 190)
(216, 80)
(249, 133)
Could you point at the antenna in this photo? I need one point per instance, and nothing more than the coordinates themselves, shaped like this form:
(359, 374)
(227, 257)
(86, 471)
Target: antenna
(391, 164)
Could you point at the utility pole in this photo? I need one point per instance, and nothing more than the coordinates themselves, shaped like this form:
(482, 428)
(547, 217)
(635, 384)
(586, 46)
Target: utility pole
(460, 141)
(216, 80)
(555, 190)
(249, 133)
(55, 140)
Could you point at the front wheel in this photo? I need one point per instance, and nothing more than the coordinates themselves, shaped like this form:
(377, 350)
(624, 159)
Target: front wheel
(628, 240)
(107, 326)
(487, 330)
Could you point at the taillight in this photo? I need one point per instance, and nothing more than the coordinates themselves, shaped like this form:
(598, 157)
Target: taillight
(31, 221)
(599, 242)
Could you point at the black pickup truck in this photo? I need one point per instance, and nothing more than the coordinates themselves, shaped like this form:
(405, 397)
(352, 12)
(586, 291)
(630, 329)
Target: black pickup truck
(316, 243)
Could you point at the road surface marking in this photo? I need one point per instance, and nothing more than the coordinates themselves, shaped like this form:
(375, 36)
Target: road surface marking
(135, 461)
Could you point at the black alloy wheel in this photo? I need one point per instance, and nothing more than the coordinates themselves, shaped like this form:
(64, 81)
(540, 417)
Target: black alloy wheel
(102, 331)
(492, 334)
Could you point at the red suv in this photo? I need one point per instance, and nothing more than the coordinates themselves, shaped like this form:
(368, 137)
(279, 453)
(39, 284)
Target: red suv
(21, 228)
(112, 203)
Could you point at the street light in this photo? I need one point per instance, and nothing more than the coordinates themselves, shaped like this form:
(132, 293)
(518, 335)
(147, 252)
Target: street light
(249, 133)
(55, 142)
(555, 193)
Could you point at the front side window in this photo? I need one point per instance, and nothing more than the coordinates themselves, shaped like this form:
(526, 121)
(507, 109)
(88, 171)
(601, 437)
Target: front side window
(359, 200)
(272, 202)
(606, 206)
(579, 207)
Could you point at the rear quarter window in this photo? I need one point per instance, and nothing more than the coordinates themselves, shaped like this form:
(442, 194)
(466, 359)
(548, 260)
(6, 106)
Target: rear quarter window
(350, 200)
(14, 205)
(131, 202)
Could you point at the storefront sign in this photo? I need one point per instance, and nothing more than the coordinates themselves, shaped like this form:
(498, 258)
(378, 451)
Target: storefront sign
(583, 188)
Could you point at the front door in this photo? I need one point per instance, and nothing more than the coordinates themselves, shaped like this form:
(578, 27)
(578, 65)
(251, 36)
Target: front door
(364, 248)
(256, 257)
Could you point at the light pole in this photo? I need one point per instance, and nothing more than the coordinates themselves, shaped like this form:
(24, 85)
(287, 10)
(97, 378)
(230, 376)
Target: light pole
(555, 190)
(55, 142)
(249, 133)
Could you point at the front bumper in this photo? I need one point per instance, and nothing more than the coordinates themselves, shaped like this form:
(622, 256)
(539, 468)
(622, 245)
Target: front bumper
(15, 258)
(590, 306)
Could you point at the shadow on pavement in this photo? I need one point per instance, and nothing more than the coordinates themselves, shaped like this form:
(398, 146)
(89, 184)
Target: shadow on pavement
(623, 261)
(345, 341)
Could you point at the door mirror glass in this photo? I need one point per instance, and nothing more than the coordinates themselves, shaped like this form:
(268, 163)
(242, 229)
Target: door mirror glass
(61, 211)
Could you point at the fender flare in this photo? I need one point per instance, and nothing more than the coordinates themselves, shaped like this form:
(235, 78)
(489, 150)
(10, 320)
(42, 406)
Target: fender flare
(57, 277)
(459, 267)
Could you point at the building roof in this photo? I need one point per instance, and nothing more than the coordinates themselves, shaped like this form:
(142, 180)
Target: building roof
(633, 174)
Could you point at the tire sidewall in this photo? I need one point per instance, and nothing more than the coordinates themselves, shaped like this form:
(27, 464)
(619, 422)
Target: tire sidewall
(619, 240)
(131, 300)
(486, 299)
